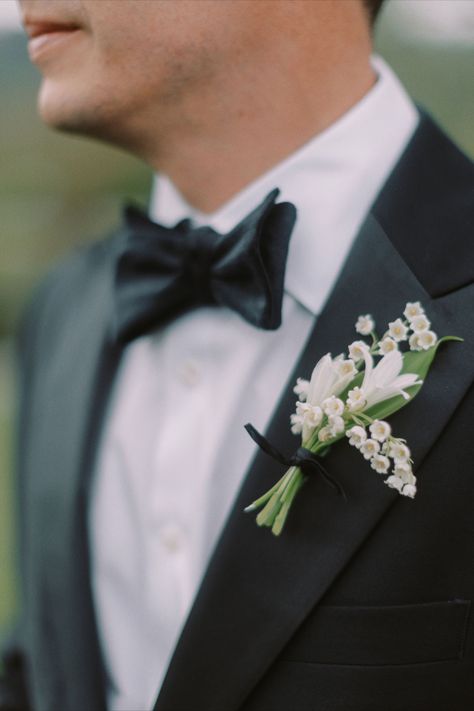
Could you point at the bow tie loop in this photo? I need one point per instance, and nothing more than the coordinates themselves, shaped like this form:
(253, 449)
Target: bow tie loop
(161, 272)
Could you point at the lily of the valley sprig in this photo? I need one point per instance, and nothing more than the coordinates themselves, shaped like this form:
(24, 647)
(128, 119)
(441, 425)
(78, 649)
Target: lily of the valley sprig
(350, 397)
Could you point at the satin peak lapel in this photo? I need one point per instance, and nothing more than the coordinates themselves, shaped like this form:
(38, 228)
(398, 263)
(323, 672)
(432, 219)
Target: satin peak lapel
(258, 589)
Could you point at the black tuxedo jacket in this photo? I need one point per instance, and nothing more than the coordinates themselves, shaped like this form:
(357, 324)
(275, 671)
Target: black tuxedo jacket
(362, 605)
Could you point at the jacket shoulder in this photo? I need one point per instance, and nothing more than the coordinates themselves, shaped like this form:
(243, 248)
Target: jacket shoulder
(427, 209)
(60, 295)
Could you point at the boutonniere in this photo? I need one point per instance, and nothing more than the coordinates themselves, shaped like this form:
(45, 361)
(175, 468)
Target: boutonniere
(350, 398)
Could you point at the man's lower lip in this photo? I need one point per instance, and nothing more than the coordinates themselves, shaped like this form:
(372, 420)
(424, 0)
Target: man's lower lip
(49, 42)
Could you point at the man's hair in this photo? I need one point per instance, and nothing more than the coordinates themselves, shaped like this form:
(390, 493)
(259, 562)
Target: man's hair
(373, 8)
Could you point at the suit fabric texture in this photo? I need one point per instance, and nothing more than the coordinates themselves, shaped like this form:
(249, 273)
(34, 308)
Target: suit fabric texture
(362, 605)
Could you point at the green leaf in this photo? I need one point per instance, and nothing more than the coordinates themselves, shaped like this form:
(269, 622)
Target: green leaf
(418, 362)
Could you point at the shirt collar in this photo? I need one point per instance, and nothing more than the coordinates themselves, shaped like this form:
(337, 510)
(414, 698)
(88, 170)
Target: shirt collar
(332, 180)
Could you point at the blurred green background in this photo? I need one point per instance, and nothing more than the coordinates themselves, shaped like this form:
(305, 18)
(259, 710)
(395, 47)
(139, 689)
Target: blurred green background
(57, 192)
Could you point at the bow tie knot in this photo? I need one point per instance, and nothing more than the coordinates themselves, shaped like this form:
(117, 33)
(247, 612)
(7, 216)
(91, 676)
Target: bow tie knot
(198, 260)
(161, 272)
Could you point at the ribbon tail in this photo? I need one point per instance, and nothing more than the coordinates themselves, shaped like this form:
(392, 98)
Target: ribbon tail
(332, 482)
(308, 459)
(265, 445)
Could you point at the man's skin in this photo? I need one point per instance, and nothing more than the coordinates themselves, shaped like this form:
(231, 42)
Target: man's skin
(210, 92)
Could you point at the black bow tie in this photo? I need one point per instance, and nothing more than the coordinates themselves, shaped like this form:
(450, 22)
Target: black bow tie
(163, 272)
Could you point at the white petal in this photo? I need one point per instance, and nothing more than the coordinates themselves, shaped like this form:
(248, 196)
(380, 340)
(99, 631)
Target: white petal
(369, 367)
(409, 490)
(301, 388)
(394, 482)
(388, 368)
(322, 379)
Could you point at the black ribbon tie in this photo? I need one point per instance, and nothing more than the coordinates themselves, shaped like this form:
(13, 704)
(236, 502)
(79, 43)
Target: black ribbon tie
(307, 461)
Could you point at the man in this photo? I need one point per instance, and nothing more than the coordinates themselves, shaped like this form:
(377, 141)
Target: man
(144, 583)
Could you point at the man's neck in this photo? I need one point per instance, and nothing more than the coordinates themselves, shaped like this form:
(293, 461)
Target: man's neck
(239, 124)
(210, 171)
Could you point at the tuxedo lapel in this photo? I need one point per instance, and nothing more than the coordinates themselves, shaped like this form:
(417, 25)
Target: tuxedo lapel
(258, 589)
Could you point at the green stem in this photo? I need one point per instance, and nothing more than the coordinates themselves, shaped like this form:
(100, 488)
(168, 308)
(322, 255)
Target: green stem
(265, 497)
(277, 501)
(362, 419)
(267, 515)
(292, 490)
(375, 341)
(287, 493)
(287, 479)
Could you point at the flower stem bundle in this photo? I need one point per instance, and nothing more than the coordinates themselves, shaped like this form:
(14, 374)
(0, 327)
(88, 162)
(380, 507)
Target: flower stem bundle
(350, 397)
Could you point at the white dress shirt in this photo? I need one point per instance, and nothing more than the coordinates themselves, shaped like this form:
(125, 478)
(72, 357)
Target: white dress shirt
(174, 450)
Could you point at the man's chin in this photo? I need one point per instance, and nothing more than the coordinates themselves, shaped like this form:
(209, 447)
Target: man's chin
(68, 110)
(86, 112)
(57, 111)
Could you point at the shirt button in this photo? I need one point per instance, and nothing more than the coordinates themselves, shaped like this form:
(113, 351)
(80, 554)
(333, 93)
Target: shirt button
(189, 373)
(172, 537)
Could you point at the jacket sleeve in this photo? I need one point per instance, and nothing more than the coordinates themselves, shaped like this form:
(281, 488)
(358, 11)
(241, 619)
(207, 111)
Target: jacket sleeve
(13, 686)
(13, 656)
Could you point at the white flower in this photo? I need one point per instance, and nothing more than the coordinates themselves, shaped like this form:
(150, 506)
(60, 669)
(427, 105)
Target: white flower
(301, 408)
(394, 482)
(414, 342)
(332, 406)
(397, 330)
(380, 430)
(327, 380)
(356, 399)
(346, 368)
(311, 415)
(336, 424)
(407, 479)
(384, 381)
(399, 452)
(296, 423)
(323, 380)
(357, 436)
(325, 434)
(357, 350)
(403, 471)
(301, 389)
(369, 448)
(387, 345)
(413, 309)
(409, 490)
(427, 339)
(420, 323)
(365, 325)
(380, 463)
